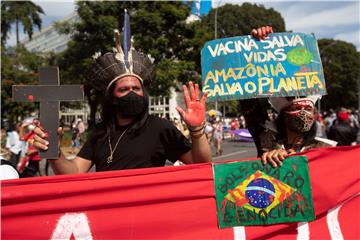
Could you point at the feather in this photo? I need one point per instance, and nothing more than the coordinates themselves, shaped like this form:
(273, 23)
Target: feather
(127, 40)
(120, 52)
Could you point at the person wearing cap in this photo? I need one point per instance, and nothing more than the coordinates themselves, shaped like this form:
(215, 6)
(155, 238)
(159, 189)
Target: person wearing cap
(128, 136)
(341, 131)
(294, 130)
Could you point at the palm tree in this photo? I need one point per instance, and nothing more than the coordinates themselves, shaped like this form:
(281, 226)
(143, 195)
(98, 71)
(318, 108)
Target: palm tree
(25, 12)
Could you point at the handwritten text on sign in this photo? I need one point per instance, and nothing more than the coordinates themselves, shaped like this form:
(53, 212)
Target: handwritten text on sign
(286, 64)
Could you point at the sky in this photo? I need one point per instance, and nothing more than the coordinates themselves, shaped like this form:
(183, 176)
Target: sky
(326, 19)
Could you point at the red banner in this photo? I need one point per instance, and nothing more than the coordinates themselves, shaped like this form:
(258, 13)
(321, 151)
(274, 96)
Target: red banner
(171, 203)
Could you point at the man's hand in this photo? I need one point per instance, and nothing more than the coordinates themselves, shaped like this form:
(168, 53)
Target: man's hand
(274, 157)
(39, 141)
(262, 33)
(194, 114)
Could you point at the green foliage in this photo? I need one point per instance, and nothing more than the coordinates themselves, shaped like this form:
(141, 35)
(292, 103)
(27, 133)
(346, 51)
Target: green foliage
(25, 12)
(341, 64)
(235, 20)
(18, 66)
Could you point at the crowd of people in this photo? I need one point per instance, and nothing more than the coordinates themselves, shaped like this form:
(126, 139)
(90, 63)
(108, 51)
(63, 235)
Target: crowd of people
(18, 151)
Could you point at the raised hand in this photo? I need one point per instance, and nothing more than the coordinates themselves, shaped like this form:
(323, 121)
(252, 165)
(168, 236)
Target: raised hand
(194, 114)
(262, 33)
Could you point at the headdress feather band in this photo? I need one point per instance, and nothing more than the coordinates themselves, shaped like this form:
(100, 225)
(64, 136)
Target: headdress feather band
(111, 66)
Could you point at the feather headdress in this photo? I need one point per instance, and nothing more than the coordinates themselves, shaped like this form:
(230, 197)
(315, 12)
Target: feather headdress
(279, 103)
(124, 61)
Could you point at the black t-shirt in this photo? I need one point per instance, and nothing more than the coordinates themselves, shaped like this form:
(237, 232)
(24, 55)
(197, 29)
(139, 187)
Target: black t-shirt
(157, 141)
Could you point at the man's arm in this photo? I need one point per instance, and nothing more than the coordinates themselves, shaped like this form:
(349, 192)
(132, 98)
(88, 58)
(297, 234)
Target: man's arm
(65, 166)
(194, 117)
(200, 151)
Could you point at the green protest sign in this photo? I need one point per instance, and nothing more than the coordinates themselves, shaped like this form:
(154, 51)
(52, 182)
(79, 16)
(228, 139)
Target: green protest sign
(248, 193)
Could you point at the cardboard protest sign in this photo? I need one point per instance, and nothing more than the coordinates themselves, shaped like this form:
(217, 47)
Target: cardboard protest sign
(286, 64)
(248, 193)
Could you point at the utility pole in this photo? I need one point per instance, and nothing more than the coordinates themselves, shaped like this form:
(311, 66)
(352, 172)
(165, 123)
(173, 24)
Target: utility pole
(215, 25)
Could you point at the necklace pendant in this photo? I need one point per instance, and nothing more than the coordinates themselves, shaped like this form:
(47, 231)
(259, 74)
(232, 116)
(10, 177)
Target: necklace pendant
(109, 159)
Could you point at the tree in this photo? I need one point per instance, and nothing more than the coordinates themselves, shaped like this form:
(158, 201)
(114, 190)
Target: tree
(236, 20)
(25, 12)
(341, 65)
(17, 67)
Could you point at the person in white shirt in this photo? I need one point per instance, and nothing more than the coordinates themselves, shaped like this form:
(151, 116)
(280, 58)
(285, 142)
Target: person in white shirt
(13, 144)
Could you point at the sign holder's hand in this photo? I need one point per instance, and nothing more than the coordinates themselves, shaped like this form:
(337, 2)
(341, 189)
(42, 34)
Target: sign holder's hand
(274, 157)
(194, 114)
(39, 141)
(262, 33)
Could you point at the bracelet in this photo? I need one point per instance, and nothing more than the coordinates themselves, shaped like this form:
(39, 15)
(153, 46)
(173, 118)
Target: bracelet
(197, 128)
(197, 136)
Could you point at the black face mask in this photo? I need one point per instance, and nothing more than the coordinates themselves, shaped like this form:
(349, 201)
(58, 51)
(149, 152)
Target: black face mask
(131, 105)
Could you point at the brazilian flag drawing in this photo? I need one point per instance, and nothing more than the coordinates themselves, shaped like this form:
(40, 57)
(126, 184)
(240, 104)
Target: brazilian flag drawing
(248, 193)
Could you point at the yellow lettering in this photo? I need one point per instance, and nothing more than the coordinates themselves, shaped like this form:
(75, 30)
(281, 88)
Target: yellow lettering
(282, 85)
(317, 81)
(250, 70)
(229, 88)
(217, 90)
(220, 74)
(209, 91)
(237, 88)
(264, 81)
(279, 69)
(300, 83)
(231, 74)
(262, 70)
(210, 76)
(239, 75)
(292, 83)
(247, 87)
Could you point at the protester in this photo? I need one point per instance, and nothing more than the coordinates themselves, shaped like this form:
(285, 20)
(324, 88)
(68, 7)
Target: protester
(320, 126)
(341, 131)
(128, 136)
(81, 127)
(353, 119)
(13, 143)
(234, 125)
(75, 139)
(218, 136)
(209, 131)
(292, 131)
(4, 152)
(30, 164)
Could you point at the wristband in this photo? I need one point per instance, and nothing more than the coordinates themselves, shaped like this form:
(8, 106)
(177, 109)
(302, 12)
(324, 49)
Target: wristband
(197, 136)
(197, 128)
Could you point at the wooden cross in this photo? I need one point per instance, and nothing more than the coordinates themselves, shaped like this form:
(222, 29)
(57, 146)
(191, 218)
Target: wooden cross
(49, 93)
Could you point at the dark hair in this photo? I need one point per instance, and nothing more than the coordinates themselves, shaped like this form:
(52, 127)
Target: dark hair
(308, 136)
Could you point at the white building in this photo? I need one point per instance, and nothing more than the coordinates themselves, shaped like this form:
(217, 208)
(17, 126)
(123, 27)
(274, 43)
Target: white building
(166, 106)
(49, 40)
